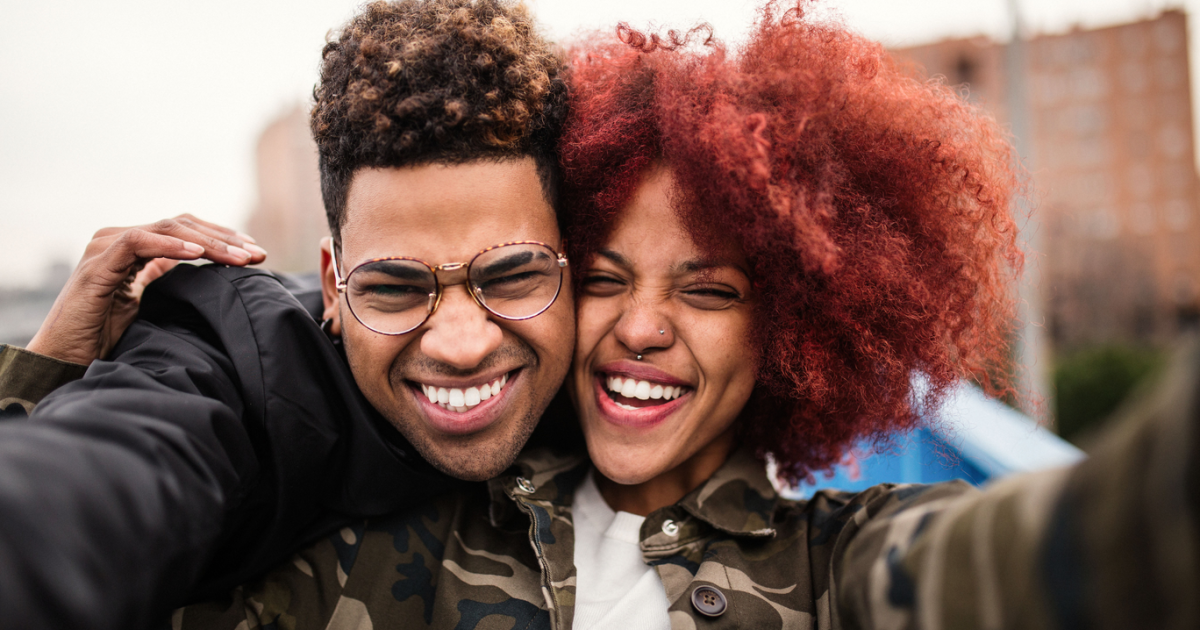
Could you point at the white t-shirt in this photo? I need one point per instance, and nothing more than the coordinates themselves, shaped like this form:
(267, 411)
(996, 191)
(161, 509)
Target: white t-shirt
(614, 588)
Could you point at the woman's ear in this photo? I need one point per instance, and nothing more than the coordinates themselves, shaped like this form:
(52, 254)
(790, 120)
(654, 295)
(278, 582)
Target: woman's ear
(329, 292)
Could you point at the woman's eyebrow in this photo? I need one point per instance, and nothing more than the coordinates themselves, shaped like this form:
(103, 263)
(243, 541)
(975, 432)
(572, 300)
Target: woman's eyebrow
(697, 265)
(614, 257)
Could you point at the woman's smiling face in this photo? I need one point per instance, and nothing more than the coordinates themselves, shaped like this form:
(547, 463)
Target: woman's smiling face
(651, 292)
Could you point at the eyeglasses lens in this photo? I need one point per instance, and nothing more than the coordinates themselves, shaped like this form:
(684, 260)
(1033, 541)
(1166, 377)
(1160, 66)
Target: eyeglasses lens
(513, 282)
(516, 281)
(391, 296)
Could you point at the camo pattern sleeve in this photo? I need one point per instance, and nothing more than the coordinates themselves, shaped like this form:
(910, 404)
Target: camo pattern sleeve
(26, 377)
(1113, 542)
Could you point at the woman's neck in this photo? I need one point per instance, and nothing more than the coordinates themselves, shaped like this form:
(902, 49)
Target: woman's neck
(668, 487)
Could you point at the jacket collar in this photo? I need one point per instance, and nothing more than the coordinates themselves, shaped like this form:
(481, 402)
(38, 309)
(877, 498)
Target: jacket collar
(738, 499)
(540, 474)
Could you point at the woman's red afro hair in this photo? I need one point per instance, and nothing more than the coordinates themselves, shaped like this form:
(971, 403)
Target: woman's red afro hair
(873, 208)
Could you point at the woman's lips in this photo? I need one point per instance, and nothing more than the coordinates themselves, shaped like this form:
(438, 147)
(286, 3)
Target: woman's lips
(472, 420)
(640, 371)
(641, 417)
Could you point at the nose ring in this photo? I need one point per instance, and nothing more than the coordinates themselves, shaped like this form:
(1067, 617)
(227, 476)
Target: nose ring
(662, 332)
(639, 357)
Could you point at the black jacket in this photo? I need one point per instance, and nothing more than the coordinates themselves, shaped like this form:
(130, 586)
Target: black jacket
(225, 431)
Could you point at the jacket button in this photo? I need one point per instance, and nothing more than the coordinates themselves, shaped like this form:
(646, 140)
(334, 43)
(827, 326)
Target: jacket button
(709, 601)
(526, 485)
(670, 528)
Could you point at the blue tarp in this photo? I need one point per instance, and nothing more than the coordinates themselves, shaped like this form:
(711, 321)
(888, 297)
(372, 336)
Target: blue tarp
(970, 437)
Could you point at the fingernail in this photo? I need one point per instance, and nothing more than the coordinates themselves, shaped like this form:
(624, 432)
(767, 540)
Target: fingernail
(256, 249)
(238, 252)
(246, 237)
(193, 249)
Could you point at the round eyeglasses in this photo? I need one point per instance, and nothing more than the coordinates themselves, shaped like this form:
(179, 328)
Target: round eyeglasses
(512, 281)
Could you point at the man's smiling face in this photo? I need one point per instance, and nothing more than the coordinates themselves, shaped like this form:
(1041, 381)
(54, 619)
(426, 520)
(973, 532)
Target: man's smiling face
(446, 213)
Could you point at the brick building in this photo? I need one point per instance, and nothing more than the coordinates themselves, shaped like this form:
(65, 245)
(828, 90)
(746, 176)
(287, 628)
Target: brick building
(288, 219)
(1114, 172)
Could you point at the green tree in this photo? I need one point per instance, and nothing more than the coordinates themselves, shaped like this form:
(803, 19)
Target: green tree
(1091, 383)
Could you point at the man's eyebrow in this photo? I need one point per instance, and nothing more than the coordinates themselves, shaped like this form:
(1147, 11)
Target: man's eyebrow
(509, 262)
(401, 271)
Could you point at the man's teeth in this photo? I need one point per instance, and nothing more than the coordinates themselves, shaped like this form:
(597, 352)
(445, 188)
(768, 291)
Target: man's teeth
(460, 400)
(642, 390)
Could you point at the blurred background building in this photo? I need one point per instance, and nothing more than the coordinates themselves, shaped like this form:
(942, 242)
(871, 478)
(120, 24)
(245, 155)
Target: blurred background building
(288, 218)
(23, 308)
(1113, 169)
(1115, 192)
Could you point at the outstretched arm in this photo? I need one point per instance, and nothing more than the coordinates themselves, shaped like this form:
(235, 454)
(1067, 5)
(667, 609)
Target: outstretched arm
(1113, 542)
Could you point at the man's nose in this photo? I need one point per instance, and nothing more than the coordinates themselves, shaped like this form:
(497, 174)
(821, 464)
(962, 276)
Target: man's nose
(460, 333)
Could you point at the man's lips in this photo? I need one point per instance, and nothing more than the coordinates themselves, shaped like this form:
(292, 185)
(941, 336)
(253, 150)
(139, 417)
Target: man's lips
(474, 412)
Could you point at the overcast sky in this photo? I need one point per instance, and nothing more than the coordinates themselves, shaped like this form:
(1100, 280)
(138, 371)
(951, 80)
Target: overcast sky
(126, 111)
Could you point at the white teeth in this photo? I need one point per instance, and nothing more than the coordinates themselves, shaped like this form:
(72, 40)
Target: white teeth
(460, 400)
(624, 406)
(642, 390)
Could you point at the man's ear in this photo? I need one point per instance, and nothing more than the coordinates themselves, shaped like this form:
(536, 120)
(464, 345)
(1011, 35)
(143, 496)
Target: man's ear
(329, 292)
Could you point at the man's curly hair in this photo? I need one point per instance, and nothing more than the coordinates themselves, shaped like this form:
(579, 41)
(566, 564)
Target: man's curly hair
(873, 209)
(436, 81)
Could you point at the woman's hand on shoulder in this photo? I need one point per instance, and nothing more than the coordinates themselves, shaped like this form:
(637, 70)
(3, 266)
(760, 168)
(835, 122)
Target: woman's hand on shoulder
(102, 296)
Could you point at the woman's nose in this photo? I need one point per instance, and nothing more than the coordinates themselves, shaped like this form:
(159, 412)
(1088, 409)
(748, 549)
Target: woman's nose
(460, 333)
(644, 327)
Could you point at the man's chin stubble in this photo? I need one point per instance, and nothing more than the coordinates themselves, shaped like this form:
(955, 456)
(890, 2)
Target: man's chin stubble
(476, 458)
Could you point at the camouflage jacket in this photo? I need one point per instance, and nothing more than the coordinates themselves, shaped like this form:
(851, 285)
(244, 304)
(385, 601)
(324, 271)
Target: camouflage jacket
(1113, 542)
(504, 557)
(26, 377)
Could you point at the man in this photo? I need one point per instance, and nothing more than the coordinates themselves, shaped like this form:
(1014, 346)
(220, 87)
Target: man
(228, 426)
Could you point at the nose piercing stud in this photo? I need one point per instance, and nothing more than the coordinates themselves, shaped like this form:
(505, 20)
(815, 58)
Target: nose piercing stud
(639, 357)
(662, 332)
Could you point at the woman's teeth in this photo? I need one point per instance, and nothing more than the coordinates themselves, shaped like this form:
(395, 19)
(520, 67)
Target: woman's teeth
(642, 390)
(460, 400)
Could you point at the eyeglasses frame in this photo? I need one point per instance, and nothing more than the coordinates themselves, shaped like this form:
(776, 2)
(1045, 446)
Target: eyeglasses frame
(439, 286)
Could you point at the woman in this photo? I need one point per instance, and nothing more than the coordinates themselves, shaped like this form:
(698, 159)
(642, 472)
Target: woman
(771, 245)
